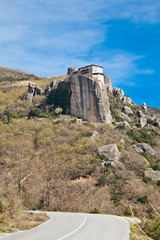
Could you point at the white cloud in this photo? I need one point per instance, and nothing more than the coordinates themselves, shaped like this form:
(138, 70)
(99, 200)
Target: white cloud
(122, 67)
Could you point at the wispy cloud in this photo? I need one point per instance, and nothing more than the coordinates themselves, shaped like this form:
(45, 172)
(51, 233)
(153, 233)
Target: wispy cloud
(47, 36)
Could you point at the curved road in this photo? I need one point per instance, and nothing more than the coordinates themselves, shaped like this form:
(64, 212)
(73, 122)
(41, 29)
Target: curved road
(76, 226)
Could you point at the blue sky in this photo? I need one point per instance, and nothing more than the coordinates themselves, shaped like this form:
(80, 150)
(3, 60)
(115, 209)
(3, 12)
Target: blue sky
(45, 37)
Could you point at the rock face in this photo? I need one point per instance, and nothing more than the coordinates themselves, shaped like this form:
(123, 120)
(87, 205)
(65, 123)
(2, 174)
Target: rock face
(154, 175)
(89, 99)
(144, 147)
(108, 82)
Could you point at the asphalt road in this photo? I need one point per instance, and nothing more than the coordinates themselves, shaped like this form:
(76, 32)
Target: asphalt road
(76, 226)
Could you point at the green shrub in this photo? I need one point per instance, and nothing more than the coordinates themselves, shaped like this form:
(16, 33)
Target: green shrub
(58, 110)
(143, 199)
(102, 181)
(143, 135)
(147, 180)
(158, 183)
(152, 228)
(152, 122)
(14, 115)
(5, 119)
(120, 147)
(1, 207)
(95, 211)
(36, 112)
(152, 160)
(60, 97)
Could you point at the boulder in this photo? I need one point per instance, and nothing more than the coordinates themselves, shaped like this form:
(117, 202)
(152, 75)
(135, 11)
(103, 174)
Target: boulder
(28, 96)
(113, 164)
(144, 147)
(125, 117)
(152, 174)
(125, 124)
(127, 110)
(122, 141)
(128, 100)
(94, 136)
(110, 152)
(117, 165)
(142, 118)
(144, 107)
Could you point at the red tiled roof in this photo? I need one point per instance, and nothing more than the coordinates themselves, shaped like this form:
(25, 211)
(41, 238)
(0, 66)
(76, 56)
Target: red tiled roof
(90, 66)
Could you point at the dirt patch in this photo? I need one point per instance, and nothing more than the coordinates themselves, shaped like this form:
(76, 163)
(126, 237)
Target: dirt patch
(82, 179)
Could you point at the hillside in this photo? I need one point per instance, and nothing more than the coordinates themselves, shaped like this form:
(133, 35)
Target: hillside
(54, 161)
(11, 74)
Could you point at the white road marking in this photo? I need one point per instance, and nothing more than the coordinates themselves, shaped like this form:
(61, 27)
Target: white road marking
(82, 224)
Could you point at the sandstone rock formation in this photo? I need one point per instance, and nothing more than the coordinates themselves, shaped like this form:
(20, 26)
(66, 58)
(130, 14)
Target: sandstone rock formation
(144, 147)
(89, 99)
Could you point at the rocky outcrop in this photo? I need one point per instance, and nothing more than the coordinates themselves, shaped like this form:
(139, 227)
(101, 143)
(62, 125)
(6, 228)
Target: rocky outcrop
(144, 147)
(89, 99)
(152, 174)
(127, 110)
(117, 92)
(36, 90)
(128, 100)
(144, 107)
(142, 118)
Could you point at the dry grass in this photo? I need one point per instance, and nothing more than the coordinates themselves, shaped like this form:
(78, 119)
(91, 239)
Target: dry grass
(26, 220)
